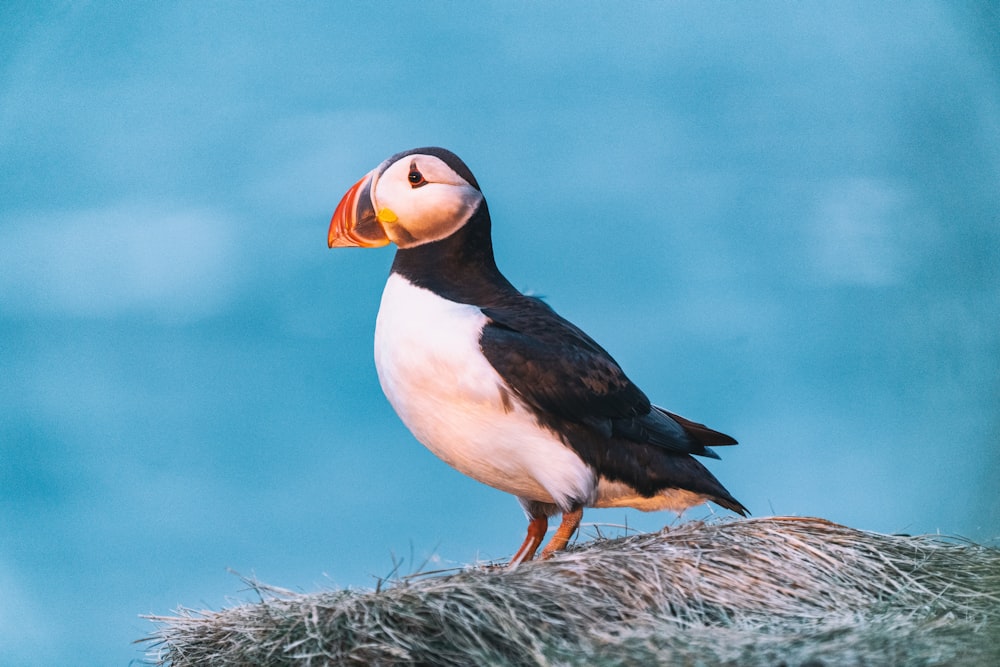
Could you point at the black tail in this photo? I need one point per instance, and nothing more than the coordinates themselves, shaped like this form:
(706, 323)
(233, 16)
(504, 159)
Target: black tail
(701, 433)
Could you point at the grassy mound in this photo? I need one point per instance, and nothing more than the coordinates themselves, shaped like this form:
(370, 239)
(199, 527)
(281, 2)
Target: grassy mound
(775, 591)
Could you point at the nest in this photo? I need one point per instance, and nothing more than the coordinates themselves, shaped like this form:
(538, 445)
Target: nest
(775, 591)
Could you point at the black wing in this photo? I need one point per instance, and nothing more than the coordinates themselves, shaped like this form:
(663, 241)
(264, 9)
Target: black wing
(560, 371)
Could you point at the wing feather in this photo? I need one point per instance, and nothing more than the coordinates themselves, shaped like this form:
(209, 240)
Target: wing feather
(557, 369)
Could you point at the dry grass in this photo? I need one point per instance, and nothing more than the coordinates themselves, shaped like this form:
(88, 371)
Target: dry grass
(777, 591)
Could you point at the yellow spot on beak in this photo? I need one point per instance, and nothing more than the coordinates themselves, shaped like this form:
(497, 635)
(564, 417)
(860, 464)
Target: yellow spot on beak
(386, 216)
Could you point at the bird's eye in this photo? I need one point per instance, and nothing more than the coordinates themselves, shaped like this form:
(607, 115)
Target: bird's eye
(416, 178)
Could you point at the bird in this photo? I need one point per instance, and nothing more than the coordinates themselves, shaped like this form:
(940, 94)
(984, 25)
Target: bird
(497, 384)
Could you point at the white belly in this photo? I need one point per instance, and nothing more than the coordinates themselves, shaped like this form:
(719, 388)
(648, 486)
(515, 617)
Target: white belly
(435, 376)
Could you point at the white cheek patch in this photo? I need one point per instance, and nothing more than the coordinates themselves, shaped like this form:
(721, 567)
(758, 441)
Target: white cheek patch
(439, 210)
(426, 213)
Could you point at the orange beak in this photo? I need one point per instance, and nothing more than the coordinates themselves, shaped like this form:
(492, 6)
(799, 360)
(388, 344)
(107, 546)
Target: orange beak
(354, 223)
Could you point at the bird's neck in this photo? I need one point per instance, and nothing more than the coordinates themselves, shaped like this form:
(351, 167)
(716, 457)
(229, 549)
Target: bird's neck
(460, 267)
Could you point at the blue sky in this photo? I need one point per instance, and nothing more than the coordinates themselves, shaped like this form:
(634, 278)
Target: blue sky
(782, 219)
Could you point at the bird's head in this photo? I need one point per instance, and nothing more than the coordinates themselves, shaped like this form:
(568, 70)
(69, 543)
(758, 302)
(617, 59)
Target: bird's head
(414, 197)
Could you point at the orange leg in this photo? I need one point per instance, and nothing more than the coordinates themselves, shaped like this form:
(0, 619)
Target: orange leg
(570, 522)
(536, 531)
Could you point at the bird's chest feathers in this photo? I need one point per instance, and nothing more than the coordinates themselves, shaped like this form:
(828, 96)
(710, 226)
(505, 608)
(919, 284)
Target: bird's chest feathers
(434, 374)
(427, 354)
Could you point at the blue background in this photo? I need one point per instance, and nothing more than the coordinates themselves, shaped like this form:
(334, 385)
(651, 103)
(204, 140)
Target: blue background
(783, 219)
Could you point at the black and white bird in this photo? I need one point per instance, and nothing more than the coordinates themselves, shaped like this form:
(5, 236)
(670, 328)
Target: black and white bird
(494, 382)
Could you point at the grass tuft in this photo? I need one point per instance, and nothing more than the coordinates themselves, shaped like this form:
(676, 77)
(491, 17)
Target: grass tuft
(771, 591)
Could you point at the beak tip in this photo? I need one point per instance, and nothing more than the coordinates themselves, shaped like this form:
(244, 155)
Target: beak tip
(354, 223)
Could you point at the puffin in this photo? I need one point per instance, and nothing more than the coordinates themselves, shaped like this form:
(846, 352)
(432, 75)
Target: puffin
(494, 382)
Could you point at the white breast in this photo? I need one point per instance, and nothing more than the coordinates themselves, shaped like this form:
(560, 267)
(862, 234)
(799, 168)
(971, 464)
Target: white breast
(434, 374)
